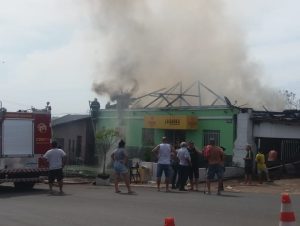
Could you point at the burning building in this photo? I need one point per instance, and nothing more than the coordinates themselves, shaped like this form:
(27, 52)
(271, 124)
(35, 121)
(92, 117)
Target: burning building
(172, 113)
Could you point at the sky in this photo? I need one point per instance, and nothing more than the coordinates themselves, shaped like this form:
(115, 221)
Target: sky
(53, 50)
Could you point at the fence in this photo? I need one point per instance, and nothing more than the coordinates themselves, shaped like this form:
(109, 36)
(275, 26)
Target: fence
(290, 151)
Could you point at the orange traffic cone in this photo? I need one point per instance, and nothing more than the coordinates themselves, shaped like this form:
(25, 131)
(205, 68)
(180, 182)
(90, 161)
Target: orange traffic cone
(287, 216)
(169, 221)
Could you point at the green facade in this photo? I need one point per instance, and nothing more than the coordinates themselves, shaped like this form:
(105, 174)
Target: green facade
(212, 121)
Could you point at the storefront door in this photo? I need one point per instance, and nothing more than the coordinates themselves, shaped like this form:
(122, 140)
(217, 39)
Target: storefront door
(175, 136)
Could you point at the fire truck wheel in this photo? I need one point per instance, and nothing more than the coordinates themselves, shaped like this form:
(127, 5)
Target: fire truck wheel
(24, 185)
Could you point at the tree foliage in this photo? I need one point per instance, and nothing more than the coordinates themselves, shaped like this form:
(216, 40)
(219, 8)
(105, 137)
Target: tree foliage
(290, 99)
(105, 140)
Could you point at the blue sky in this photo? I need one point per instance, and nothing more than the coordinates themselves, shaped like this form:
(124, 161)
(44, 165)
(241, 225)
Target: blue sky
(50, 50)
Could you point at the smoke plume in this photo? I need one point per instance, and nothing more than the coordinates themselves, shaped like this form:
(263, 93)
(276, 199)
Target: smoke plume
(151, 44)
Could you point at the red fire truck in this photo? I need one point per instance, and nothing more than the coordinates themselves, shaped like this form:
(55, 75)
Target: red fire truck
(24, 137)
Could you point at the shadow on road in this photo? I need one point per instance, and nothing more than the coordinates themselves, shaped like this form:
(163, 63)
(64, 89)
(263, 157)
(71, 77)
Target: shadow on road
(9, 191)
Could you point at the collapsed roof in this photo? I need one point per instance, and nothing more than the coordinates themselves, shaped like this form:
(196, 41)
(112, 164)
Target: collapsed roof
(284, 116)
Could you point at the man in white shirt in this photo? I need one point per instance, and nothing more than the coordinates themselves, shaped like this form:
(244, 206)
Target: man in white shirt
(56, 158)
(163, 152)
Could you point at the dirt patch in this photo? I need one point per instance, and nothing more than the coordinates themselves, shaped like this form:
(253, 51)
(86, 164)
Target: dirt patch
(291, 186)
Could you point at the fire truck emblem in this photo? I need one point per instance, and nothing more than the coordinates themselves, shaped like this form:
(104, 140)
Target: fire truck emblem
(42, 128)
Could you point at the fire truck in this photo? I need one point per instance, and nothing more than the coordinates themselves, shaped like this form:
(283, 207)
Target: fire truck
(24, 137)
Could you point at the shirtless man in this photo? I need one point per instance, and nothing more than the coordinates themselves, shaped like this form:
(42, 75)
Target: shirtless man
(215, 158)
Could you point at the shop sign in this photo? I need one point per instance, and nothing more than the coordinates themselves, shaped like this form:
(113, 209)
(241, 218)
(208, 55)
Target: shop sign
(170, 122)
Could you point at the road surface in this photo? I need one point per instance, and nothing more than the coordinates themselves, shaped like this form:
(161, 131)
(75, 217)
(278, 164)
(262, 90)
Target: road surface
(91, 205)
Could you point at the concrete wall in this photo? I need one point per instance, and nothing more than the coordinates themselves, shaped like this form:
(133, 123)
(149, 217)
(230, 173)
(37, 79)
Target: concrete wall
(244, 137)
(69, 132)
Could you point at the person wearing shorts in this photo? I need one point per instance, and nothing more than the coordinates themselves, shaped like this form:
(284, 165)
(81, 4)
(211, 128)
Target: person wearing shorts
(56, 158)
(163, 152)
(56, 174)
(215, 157)
(163, 168)
(120, 159)
(214, 170)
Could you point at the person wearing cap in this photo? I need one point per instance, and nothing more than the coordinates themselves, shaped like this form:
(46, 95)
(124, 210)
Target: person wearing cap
(194, 168)
(120, 159)
(215, 158)
(184, 165)
(163, 153)
(56, 159)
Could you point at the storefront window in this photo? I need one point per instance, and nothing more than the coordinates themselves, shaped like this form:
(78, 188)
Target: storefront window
(211, 134)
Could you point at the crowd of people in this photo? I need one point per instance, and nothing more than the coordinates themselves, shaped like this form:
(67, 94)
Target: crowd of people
(262, 165)
(179, 164)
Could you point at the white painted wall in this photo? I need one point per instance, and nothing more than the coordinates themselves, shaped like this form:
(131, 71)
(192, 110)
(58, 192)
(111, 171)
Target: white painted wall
(244, 137)
(272, 130)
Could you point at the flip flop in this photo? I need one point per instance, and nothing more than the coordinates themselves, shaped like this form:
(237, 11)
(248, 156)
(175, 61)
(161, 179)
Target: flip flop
(117, 191)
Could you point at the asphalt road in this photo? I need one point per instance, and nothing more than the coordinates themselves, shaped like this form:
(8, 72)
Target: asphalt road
(98, 205)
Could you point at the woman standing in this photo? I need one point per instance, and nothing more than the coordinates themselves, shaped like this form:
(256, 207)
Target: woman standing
(120, 159)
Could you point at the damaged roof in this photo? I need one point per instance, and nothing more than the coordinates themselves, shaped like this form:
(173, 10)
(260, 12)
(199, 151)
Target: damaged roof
(284, 116)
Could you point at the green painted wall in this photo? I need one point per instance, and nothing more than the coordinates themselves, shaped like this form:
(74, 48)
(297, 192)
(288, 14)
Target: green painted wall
(210, 118)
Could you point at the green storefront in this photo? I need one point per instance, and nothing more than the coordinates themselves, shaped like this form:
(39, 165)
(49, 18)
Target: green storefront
(143, 128)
